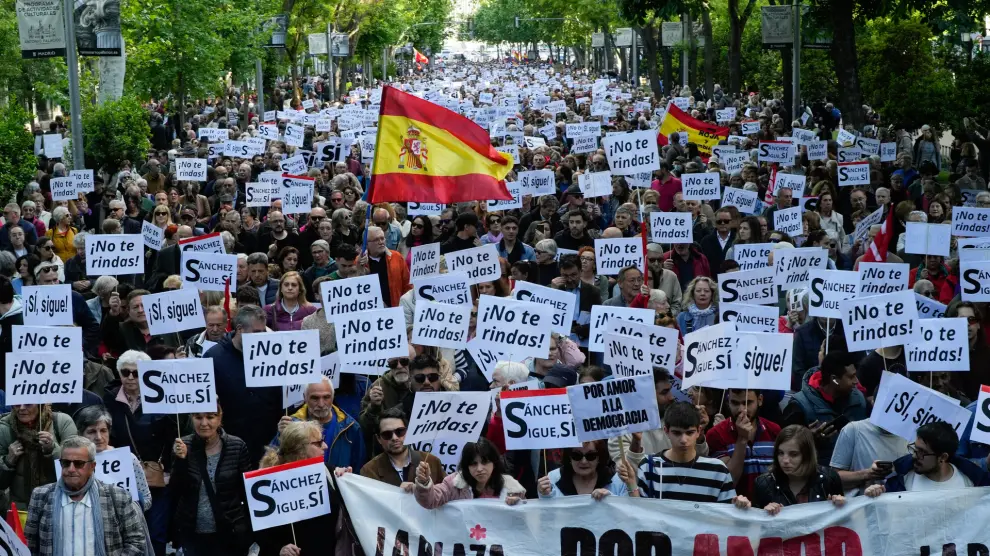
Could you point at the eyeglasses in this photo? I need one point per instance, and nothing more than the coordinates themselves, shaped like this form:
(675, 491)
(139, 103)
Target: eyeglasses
(579, 456)
(918, 452)
(971, 320)
(128, 373)
(400, 362)
(317, 443)
(77, 463)
(398, 433)
(432, 377)
(722, 221)
(48, 269)
(416, 225)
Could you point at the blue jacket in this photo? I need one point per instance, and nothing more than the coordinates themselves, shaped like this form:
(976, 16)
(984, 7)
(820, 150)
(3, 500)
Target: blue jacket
(815, 408)
(974, 451)
(905, 464)
(529, 254)
(613, 484)
(808, 340)
(345, 443)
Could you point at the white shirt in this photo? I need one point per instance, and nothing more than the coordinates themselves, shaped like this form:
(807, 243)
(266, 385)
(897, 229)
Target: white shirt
(78, 535)
(914, 482)
(723, 242)
(261, 292)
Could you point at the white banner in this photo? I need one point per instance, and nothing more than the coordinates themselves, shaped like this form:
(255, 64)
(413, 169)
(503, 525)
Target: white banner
(708, 356)
(536, 182)
(854, 173)
(153, 235)
(562, 302)
(190, 169)
(880, 321)
(793, 266)
(518, 328)
(750, 318)
(881, 278)
(701, 187)
(614, 407)
(626, 356)
(287, 493)
(278, 358)
(41, 29)
(440, 419)
(981, 423)
(208, 271)
(377, 334)
(612, 255)
(538, 419)
(451, 287)
(171, 386)
(902, 405)
(113, 467)
(752, 255)
(63, 189)
(425, 261)
(781, 152)
(788, 221)
(114, 254)
(970, 221)
(66, 339)
(928, 239)
(47, 305)
(764, 360)
(174, 311)
(663, 341)
(441, 324)
(945, 346)
(828, 288)
(209, 243)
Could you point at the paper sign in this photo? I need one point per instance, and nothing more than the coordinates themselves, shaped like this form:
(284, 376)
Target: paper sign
(46, 338)
(863, 228)
(153, 235)
(803, 136)
(781, 152)
(868, 146)
(854, 173)
(880, 321)
(764, 360)
(595, 184)
(612, 255)
(538, 420)
(928, 308)
(880, 278)
(630, 153)
(114, 466)
(378, 334)
(701, 187)
(515, 203)
(425, 209)
(750, 127)
(671, 227)
(662, 341)
(174, 311)
(601, 315)
(850, 154)
(262, 192)
(480, 263)
(748, 286)
(752, 255)
(84, 180)
(746, 201)
(294, 135)
(945, 346)
(788, 221)
(975, 280)
(441, 324)
(425, 260)
(47, 305)
(562, 302)
(190, 169)
(888, 152)
(981, 423)
(292, 394)
(793, 182)
(817, 150)
(828, 288)
(277, 358)
(209, 243)
(297, 194)
(44, 377)
(294, 165)
(208, 271)
(970, 221)
(611, 408)
(53, 145)
(928, 239)
(287, 493)
(708, 356)
(451, 288)
(518, 328)
(484, 358)
(902, 405)
(750, 318)
(792, 266)
(626, 356)
(114, 254)
(733, 162)
(361, 293)
(63, 189)
(455, 417)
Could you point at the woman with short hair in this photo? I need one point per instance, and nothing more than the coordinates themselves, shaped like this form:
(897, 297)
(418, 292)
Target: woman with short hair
(94, 422)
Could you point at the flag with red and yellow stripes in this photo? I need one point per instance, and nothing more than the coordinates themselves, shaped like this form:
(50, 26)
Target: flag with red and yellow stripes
(428, 154)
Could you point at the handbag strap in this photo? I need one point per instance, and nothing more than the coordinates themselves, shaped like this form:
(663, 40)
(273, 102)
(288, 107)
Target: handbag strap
(127, 423)
(218, 516)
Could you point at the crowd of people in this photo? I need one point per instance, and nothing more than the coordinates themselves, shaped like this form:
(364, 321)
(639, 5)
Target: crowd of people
(761, 450)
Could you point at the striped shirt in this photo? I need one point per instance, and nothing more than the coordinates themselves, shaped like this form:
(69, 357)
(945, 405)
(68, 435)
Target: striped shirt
(703, 480)
(759, 453)
(78, 534)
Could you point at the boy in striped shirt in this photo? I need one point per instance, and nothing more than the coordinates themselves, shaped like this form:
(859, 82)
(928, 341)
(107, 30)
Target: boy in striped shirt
(679, 473)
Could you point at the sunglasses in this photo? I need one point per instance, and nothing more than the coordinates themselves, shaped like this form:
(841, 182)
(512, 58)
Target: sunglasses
(398, 433)
(49, 269)
(971, 320)
(128, 373)
(417, 225)
(447, 221)
(77, 463)
(161, 214)
(580, 456)
(722, 221)
(400, 362)
(432, 377)
(316, 218)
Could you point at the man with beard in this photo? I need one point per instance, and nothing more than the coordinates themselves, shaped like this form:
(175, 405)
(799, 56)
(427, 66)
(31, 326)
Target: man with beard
(342, 434)
(397, 463)
(744, 442)
(398, 387)
(276, 237)
(932, 463)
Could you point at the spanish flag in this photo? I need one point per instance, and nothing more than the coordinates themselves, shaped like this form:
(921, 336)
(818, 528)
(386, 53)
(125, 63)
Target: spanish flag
(421, 58)
(704, 135)
(428, 154)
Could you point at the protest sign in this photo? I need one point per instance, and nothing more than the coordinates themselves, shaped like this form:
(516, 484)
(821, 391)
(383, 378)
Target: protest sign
(803, 136)
(294, 135)
(817, 150)
(626, 356)
(748, 286)
(84, 180)
(975, 280)
(793, 182)
(208, 271)
(630, 153)
(47, 305)
(361, 293)
(63, 189)
(479, 263)
(880, 278)
(277, 358)
(928, 308)
(611, 408)
(294, 165)
(153, 235)
(981, 423)
(601, 315)
(845, 138)
(888, 152)
(425, 209)
(292, 394)
(750, 318)
(854, 173)
(746, 201)
(721, 151)
(970, 221)
(44, 377)
(733, 162)
(928, 239)
(868, 146)
(973, 249)
(862, 230)
(515, 203)
(114, 466)
(287, 493)
(880, 321)
(701, 187)
(518, 328)
(788, 221)
(377, 334)
(749, 127)
(848, 154)
(764, 360)
(46, 338)
(944, 346)
(902, 405)
(213, 134)
(209, 243)
(671, 227)
(781, 152)
(585, 144)
(486, 359)
(190, 169)
(53, 145)
(752, 255)
(725, 116)
(114, 254)
(451, 288)
(442, 422)
(297, 194)
(793, 266)
(425, 261)
(595, 184)
(174, 311)
(264, 191)
(707, 357)
(663, 341)
(615, 254)
(562, 302)
(538, 420)
(537, 182)
(828, 288)
(441, 324)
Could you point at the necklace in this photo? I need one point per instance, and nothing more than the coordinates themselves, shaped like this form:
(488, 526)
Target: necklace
(672, 463)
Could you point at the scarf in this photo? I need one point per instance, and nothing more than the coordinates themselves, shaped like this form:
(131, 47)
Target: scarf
(90, 490)
(701, 313)
(37, 467)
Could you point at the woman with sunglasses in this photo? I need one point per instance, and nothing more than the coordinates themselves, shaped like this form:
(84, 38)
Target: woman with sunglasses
(493, 223)
(161, 216)
(481, 473)
(30, 444)
(47, 256)
(584, 470)
(420, 233)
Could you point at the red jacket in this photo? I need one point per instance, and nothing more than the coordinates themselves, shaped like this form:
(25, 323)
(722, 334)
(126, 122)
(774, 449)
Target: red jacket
(698, 259)
(945, 286)
(398, 276)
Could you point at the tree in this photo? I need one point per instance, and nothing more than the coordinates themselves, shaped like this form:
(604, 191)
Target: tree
(737, 22)
(113, 132)
(17, 161)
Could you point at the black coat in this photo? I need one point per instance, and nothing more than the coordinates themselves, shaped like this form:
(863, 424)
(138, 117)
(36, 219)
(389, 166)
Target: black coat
(152, 435)
(771, 487)
(714, 251)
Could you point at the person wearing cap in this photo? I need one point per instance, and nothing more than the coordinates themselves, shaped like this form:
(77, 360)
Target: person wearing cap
(187, 218)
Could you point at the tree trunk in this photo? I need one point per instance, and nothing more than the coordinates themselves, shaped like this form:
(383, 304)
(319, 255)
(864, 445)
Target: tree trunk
(649, 37)
(706, 23)
(668, 71)
(846, 65)
(787, 65)
(693, 63)
(579, 54)
(609, 58)
(624, 68)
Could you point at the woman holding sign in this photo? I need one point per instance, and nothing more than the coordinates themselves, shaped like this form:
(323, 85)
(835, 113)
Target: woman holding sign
(290, 306)
(584, 470)
(30, 444)
(480, 474)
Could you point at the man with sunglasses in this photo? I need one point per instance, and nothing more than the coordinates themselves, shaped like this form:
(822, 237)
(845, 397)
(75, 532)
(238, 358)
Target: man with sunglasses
(715, 246)
(389, 390)
(397, 463)
(932, 463)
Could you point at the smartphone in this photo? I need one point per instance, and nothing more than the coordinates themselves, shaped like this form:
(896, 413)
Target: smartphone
(839, 422)
(885, 464)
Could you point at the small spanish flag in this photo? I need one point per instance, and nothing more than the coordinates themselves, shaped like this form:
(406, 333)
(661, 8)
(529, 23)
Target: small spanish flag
(428, 154)
(420, 57)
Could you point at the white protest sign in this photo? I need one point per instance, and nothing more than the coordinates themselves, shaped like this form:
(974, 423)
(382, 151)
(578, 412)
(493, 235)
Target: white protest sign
(803, 136)
(945, 346)
(441, 324)
(611, 408)
(975, 280)
(47, 305)
(171, 386)
(707, 357)
(788, 221)
(114, 254)
(845, 137)
(537, 182)
(518, 328)
(377, 334)
(361, 293)
(868, 146)
(209, 243)
(880, 278)
(294, 135)
(425, 261)
(612, 255)
(817, 150)
(562, 302)
(970, 221)
(928, 308)
(981, 423)
(538, 419)
(748, 286)
(264, 191)
(174, 311)
(208, 271)
(277, 358)
(601, 315)
(781, 152)
(792, 266)
(297, 194)
(287, 493)
(630, 153)
(850, 154)
(793, 182)
(724, 116)
(750, 318)
(902, 405)
(44, 377)
(292, 394)
(190, 169)
(479, 263)
(928, 239)
(213, 133)
(828, 288)
(746, 201)
(46, 338)
(752, 255)
(663, 341)
(63, 189)
(749, 127)
(671, 227)
(764, 360)
(880, 321)
(701, 187)
(451, 288)
(442, 420)
(584, 144)
(595, 184)
(733, 162)
(863, 228)
(84, 180)
(53, 145)
(626, 356)
(294, 165)
(153, 235)
(113, 467)
(425, 209)
(485, 359)
(854, 173)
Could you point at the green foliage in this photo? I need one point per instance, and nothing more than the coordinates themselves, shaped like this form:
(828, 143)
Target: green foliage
(17, 160)
(114, 132)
